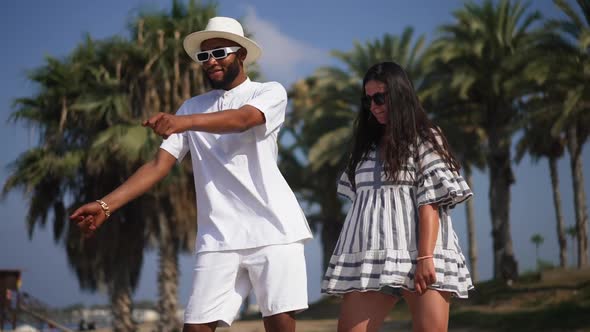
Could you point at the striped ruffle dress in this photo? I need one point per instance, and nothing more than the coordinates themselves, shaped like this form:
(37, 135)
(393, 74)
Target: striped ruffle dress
(379, 239)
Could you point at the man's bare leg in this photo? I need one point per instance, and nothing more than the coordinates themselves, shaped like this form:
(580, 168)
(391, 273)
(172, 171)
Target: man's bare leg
(283, 322)
(208, 327)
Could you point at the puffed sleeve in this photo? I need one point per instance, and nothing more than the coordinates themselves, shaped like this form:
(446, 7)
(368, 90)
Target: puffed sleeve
(437, 183)
(271, 100)
(345, 188)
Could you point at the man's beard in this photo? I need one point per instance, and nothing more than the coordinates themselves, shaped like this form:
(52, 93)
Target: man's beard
(233, 70)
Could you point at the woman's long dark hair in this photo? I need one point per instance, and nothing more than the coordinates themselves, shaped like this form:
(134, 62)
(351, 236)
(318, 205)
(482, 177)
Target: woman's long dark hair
(407, 125)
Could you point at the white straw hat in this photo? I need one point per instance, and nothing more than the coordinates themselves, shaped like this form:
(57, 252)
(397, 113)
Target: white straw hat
(226, 28)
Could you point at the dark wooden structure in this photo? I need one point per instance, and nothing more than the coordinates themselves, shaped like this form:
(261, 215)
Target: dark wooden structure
(10, 282)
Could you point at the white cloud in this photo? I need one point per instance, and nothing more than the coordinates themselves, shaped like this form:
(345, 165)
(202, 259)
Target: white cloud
(284, 58)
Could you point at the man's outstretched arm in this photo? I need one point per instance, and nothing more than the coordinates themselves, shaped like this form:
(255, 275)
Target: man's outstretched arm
(91, 215)
(228, 121)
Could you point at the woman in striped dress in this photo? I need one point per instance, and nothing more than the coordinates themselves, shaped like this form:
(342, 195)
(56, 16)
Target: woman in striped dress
(397, 239)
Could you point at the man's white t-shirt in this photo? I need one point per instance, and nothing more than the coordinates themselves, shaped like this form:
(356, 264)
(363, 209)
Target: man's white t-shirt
(243, 201)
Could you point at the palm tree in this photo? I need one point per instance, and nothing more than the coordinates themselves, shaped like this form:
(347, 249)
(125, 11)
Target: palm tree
(538, 143)
(470, 219)
(126, 144)
(561, 76)
(482, 56)
(314, 144)
(56, 176)
(537, 240)
(571, 45)
(458, 130)
(458, 120)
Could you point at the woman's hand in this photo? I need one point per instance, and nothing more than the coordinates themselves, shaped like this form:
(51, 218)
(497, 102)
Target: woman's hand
(429, 226)
(425, 275)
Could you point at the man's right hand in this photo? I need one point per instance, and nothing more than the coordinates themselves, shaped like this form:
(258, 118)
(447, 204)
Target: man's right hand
(89, 217)
(164, 124)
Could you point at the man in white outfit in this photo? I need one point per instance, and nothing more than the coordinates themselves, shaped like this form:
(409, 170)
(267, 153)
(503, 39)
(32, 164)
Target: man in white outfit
(251, 228)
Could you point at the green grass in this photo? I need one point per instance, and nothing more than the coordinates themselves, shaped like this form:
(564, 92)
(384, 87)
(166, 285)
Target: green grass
(530, 315)
(566, 316)
(329, 308)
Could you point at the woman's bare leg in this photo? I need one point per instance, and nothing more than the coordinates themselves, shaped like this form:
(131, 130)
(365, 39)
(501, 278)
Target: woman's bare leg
(364, 311)
(430, 311)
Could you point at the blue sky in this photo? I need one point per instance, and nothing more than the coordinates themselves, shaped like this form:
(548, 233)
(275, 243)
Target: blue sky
(297, 37)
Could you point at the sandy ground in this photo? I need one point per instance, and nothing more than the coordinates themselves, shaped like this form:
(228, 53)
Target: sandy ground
(316, 325)
(323, 325)
(313, 325)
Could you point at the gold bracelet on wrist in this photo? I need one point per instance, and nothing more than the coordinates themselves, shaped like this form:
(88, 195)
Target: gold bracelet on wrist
(105, 207)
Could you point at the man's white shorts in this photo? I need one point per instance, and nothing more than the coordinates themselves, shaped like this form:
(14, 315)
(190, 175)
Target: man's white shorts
(223, 279)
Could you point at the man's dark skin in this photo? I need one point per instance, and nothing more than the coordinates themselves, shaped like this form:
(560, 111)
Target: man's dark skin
(89, 217)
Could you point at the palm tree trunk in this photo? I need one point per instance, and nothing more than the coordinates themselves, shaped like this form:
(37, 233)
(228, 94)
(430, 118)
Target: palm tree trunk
(200, 84)
(166, 97)
(167, 93)
(167, 276)
(176, 88)
(155, 100)
(573, 238)
(140, 26)
(501, 178)
(575, 151)
(147, 108)
(471, 238)
(558, 212)
(331, 227)
(329, 236)
(64, 114)
(120, 293)
(186, 85)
